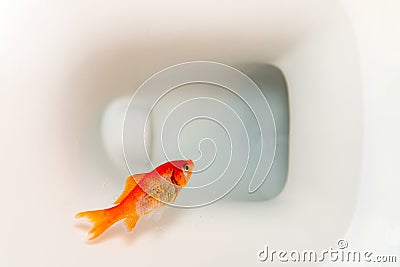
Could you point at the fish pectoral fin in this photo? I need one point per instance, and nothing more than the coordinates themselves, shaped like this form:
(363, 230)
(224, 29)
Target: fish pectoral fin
(130, 183)
(130, 222)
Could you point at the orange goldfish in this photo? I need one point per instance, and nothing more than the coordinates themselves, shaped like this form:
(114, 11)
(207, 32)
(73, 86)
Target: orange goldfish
(142, 194)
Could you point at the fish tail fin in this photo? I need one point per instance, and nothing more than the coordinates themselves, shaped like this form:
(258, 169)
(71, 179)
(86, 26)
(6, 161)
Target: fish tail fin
(101, 219)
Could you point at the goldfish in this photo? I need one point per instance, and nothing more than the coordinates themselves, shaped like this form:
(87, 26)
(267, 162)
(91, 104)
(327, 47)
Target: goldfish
(142, 194)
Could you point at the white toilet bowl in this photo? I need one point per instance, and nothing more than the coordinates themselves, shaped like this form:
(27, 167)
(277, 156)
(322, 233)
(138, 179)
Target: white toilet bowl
(85, 67)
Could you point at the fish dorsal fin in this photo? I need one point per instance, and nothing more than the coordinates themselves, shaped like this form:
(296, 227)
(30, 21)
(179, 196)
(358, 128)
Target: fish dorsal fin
(130, 222)
(130, 183)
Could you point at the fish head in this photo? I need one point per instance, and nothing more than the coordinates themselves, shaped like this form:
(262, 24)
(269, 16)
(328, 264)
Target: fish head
(182, 171)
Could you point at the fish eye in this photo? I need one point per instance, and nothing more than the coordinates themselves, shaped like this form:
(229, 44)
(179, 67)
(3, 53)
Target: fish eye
(186, 167)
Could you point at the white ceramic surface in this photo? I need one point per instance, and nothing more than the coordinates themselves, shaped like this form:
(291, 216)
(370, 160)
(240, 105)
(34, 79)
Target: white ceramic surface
(62, 64)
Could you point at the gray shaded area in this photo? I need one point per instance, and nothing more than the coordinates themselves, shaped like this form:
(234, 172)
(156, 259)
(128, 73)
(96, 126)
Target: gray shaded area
(272, 84)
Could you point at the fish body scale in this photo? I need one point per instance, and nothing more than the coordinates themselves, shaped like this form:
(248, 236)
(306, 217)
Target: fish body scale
(157, 192)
